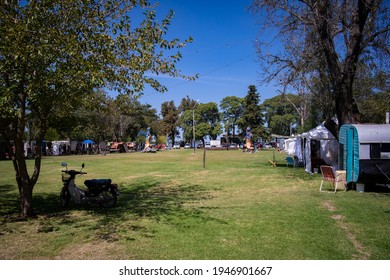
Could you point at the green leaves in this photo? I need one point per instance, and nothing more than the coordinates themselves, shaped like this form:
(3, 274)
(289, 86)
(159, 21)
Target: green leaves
(205, 117)
(55, 54)
(252, 116)
(52, 53)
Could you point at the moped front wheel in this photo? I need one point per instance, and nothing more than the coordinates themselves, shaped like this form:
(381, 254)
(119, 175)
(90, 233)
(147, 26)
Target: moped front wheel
(108, 199)
(64, 197)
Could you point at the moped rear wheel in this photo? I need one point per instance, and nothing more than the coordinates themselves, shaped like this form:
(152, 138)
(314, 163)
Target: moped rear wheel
(64, 197)
(109, 199)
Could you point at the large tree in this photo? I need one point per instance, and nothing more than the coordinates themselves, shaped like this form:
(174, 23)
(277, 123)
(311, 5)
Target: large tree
(92, 120)
(325, 39)
(53, 54)
(210, 117)
(232, 108)
(170, 119)
(281, 112)
(372, 93)
(204, 118)
(187, 104)
(253, 117)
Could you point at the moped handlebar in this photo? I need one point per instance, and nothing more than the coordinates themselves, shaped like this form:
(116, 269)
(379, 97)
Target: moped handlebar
(74, 172)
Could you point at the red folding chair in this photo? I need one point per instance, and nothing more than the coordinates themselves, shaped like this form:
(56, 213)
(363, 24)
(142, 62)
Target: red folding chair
(328, 176)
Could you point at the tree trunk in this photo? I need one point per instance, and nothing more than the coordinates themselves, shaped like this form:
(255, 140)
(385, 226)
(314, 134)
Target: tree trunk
(22, 179)
(342, 75)
(227, 135)
(346, 109)
(25, 182)
(26, 206)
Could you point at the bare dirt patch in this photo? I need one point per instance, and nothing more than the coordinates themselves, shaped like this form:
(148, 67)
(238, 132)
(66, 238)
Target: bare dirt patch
(329, 206)
(96, 250)
(361, 251)
(337, 217)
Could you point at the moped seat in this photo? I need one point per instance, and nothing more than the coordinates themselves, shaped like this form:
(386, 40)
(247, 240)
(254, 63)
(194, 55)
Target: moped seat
(95, 183)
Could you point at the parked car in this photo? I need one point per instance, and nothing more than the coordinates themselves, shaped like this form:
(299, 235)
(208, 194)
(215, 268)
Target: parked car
(187, 146)
(176, 146)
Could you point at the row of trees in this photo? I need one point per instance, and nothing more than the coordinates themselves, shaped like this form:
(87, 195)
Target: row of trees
(121, 118)
(236, 114)
(101, 118)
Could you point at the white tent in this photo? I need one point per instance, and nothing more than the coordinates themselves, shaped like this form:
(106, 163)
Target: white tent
(326, 147)
(293, 147)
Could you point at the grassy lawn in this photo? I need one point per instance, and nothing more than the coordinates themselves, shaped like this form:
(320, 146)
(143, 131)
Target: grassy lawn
(238, 207)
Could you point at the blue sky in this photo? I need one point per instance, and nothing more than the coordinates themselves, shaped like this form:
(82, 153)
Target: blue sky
(222, 53)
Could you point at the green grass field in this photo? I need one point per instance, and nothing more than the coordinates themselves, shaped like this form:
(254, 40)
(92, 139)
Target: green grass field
(238, 207)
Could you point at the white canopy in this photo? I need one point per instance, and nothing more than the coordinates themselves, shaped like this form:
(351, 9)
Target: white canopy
(328, 146)
(293, 147)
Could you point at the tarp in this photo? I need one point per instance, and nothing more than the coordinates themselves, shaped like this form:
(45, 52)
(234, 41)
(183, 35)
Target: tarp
(328, 146)
(293, 147)
(88, 142)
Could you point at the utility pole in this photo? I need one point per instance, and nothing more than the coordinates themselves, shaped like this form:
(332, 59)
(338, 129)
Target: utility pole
(193, 124)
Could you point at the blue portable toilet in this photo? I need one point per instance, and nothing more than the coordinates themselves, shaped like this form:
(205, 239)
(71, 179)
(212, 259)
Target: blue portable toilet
(364, 152)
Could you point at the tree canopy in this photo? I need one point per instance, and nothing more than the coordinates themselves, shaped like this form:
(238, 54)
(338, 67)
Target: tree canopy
(54, 54)
(252, 116)
(170, 119)
(280, 114)
(323, 42)
(204, 118)
(232, 109)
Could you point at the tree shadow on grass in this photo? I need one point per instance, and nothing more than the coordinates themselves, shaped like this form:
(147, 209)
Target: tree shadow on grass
(155, 199)
(147, 198)
(9, 200)
(44, 205)
(179, 206)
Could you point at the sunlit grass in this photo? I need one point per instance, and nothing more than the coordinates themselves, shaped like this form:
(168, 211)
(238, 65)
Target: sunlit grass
(238, 207)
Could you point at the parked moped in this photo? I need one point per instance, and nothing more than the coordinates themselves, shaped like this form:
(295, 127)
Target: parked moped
(100, 191)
